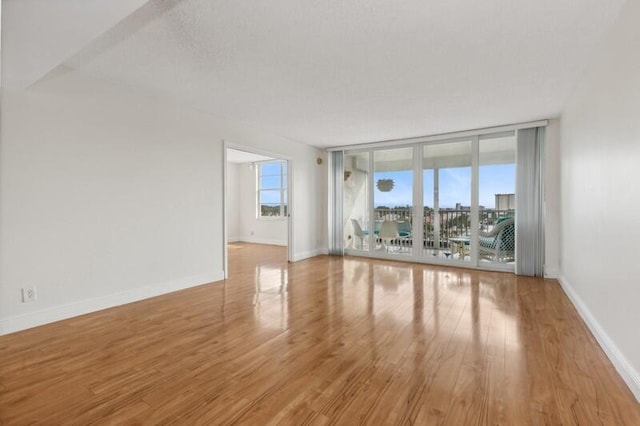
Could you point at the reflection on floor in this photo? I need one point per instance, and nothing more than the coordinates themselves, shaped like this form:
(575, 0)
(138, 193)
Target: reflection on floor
(329, 339)
(406, 250)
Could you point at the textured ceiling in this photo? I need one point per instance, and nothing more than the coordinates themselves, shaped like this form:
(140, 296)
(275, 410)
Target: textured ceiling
(39, 34)
(332, 72)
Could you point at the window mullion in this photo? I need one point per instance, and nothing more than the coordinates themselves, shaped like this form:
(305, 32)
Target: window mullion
(272, 189)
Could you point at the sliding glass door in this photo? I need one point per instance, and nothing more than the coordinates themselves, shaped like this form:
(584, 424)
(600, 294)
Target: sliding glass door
(448, 202)
(497, 192)
(446, 175)
(393, 200)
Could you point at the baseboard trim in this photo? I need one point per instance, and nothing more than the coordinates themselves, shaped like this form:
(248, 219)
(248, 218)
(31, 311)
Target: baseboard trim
(254, 240)
(57, 313)
(294, 258)
(308, 254)
(620, 362)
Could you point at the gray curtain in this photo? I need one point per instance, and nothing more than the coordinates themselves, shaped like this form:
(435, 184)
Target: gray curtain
(336, 180)
(529, 202)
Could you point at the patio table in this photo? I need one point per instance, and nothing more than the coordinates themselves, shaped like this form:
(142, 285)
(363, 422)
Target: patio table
(461, 244)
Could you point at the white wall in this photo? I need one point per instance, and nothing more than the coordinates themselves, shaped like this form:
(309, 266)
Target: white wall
(254, 230)
(356, 203)
(600, 207)
(552, 200)
(107, 197)
(242, 221)
(234, 226)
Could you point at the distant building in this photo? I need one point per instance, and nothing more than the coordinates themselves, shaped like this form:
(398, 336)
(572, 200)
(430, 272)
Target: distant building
(505, 202)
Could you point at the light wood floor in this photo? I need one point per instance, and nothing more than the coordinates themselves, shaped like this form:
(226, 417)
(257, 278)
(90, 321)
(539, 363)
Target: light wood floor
(322, 341)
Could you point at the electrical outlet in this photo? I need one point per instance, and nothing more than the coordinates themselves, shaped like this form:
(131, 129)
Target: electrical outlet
(29, 294)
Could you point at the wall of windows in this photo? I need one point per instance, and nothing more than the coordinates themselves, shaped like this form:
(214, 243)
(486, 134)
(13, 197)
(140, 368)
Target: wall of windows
(449, 201)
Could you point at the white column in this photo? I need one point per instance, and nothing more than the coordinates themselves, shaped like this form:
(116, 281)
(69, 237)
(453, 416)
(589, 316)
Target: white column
(436, 209)
(475, 198)
(417, 232)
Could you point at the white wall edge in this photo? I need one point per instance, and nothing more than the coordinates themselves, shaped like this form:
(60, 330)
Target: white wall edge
(308, 254)
(551, 273)
(621, 364)
(74, 309)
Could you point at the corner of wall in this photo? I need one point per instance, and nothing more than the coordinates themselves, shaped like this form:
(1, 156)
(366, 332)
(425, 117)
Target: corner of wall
(309, 254)
(620, 362)
(552, 273)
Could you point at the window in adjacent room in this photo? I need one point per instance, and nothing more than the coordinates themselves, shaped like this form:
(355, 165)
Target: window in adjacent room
(272, 189)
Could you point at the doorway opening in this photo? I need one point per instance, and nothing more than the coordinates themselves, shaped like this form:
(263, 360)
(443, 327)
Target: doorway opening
(257, 198)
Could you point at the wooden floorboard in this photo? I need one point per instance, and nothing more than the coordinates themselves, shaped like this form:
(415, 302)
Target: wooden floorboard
(327, 340)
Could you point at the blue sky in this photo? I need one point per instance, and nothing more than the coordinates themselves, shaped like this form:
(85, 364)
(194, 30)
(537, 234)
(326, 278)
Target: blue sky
(270, 180)
(455, 186)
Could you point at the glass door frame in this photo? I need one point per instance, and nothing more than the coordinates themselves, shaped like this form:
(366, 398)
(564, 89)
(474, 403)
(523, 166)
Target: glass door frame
(416, 210)
(417, 252)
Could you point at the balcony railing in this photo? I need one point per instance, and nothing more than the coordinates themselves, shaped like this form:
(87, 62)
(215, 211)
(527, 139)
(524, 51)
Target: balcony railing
(453, 223)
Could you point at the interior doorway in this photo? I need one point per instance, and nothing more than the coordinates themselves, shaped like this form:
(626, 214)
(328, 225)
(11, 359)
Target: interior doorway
(257, 187)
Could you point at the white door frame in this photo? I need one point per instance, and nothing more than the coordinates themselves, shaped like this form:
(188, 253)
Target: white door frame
(290, 216)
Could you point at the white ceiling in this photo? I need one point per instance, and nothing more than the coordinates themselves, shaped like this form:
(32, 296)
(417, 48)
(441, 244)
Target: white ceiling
(236, 156)
(37, 35)
(331, 72)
